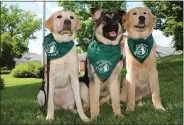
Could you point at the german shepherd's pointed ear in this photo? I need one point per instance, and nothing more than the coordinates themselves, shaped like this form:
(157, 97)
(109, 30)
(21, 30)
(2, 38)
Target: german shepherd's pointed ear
(120, 12)
(95, 12)
(49, 24)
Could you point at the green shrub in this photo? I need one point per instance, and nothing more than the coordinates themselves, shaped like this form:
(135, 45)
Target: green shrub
(1, 83)
(5, 70)
(27, 70)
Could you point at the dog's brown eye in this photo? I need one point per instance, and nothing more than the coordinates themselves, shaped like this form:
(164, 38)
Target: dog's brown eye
(71, 17)
(106, 18)
(134, 13)
(59, 17)
(145, 13)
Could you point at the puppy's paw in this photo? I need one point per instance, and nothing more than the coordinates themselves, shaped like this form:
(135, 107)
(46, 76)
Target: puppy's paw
(129, 109)
(119, 115)
(73, 110)
(157, 104)
(94, 113)
(49, 117)
(85, 119)
(130, 106)
(159, 107)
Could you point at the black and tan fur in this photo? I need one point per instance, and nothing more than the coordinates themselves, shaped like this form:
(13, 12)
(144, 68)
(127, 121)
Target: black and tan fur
(104, 91)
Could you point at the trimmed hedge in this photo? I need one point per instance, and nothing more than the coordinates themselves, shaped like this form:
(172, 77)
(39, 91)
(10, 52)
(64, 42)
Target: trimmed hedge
(27, 70)
(1, 83)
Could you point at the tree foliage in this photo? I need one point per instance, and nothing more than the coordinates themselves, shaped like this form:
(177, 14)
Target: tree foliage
(17, 28)
(79, 50)
(84, 35)
(170, 19)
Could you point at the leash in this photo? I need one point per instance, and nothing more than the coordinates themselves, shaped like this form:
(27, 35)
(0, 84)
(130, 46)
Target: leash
(48, 71)
(168, 66)
(45, 81)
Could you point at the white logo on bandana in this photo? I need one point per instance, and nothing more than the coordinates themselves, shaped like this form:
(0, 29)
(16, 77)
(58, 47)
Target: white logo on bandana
(51, 48)
(141, 50)
(103, 66)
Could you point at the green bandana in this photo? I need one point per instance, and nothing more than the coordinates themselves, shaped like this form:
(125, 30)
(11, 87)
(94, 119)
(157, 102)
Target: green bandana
(103, 58)
(55, 49)
(140, 48)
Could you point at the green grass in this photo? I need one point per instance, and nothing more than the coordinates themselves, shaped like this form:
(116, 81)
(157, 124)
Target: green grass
(19, 104)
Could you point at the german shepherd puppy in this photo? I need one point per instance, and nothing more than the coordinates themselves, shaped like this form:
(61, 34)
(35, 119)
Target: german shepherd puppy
(107, 32)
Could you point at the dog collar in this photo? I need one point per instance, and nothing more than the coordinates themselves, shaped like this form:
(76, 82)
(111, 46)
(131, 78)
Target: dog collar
(140, 48)
(103, 58)
(56, 49)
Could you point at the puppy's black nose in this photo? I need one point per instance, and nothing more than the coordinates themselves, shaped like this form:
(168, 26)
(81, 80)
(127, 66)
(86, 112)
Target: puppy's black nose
(67, 22)
(142, 18)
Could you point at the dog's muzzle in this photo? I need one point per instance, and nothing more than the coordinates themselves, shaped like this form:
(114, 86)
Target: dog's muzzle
(66, 28)
(141, 20)
(67, 25)
(141, 24)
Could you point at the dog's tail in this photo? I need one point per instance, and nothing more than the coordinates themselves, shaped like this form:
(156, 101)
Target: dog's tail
(41, 98)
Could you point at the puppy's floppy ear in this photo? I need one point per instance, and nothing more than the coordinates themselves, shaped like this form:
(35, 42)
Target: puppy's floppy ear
(153, 19)
(49, 24)
(125, 21)
(124, 18)
(78, 25)
(95, 12)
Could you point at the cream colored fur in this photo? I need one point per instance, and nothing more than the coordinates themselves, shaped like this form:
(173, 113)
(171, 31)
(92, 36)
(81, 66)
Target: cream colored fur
(64, 88)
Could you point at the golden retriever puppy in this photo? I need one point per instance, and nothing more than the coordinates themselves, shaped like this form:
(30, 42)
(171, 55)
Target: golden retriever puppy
(140, 48)
(64, 88)
(103, 61)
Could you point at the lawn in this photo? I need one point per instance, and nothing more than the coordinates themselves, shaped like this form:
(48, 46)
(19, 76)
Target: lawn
(19, 104)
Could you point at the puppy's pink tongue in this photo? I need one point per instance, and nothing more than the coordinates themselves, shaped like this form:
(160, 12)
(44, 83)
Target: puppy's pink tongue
(112, 33)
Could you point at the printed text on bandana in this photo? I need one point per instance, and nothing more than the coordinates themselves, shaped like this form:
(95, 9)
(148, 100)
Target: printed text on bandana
(103, 66)
(141, 50)
(51, 49)
(103, 58)
(55, 49)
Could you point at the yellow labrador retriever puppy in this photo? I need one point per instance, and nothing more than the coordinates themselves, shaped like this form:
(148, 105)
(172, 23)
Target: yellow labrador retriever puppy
(64, 88)
(142, 76)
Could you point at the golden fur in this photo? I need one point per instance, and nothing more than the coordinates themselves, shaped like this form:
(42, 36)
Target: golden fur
(141, 79)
